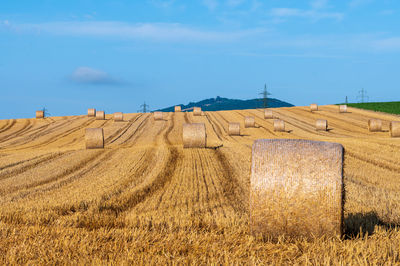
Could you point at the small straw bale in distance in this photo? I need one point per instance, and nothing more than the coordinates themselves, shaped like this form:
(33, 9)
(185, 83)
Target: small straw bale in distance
(178, 109)
(100, 115)
(39, 114)
(279, 125)
(268, 114)
(313, 107)
(91, 112)
(249, 121)
(342, 108)
(321, 124)
(118, 116)
(296, 188)
(158, 115)
(374, 125)
(394, 129)
(234, 129)
(197, 111)
(94, 138)
(194, 135)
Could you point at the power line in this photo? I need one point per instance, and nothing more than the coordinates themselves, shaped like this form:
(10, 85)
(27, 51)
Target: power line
(265, 94)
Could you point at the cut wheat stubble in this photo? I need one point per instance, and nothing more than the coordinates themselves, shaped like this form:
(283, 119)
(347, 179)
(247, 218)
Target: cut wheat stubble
(296, 188)
(234, 129)
(94, 138)
(194, 135)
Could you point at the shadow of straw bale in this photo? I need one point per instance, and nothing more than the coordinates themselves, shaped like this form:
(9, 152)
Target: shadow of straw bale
(359, 224)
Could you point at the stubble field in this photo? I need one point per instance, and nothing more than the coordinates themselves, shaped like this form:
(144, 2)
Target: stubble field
(145, 199)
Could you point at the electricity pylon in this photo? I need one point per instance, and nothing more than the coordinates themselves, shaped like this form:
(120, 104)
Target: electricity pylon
(265, 94)
(362, 95)
(144, 107)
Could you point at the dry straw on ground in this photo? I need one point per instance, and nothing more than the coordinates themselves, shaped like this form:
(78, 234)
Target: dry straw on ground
(343, 108)
(268, 114)
(100, 115)
(394, 129)
(279, 125)
(94, 138)
(39, 114)
(296, 188)
(118, 116)
(178, 108)
(158, 115)
(375, 125)
(197, 111)
(321, 124)
(234, 129)
(91, 112)
(313, 107)
(194, 135)
(249, 121)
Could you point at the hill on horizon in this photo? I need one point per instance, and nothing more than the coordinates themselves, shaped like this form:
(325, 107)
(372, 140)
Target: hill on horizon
(220, 103)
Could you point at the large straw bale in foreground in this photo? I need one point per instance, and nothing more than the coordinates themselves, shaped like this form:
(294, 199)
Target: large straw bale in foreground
(394, 129)
(91, 112)
(249, 121)
(268, 114)
(158, 115)
(118, 116)
(375, 125)
(94, 138)
(279, 125)
(313, 107)
(197, 111)
(343, 108)
(100, 115)
(39, 114)
(321, 124)
(178, 109)
(296, 188)
(234, 129)
(194, 135)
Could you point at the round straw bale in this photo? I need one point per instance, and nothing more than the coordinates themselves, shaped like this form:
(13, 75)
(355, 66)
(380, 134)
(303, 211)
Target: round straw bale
(375, 125)
(194, 135)
(178, 108)
(100, 115)
(249, 121)
(91, 112)
(197, 111)
(321, 124)
(94, 138)
(39, 114)
(313, 107)
(268, 114)
(279, 125)
(234, 129)
(158, 115)
(296, 188)
(394, 129)
(118, 116)
(343, 108)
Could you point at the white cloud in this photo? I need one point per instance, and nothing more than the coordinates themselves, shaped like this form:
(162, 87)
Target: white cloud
(234, 3)
(311, 14)
(91, 76)
(211, 4)
(163, 3)
(392, 43)
(147, 31)
(357, 3)
(319, 4)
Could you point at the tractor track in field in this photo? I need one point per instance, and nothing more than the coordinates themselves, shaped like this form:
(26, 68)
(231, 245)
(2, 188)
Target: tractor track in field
(34, 162)
(58, 136)
(26, 127)
(391, 166)
(8, 125)
(227, 123)
(217, 130)
(119, 133)
(5, 124)
(138, 129)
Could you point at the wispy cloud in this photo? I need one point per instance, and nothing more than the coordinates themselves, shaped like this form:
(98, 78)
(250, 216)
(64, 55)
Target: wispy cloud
(90, 76)
(162, 3)
(392, 43)
(319, 4)
(234, 3)
(357, 3)
(146, 31)
(310, 14)
(210, 4)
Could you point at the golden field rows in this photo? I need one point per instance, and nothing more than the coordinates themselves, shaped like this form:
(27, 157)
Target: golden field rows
(145, 199)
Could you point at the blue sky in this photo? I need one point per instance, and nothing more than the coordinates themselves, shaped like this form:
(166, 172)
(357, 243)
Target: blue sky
(113, 55)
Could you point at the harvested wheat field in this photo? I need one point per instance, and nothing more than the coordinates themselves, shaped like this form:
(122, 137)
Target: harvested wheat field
(144, 199)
